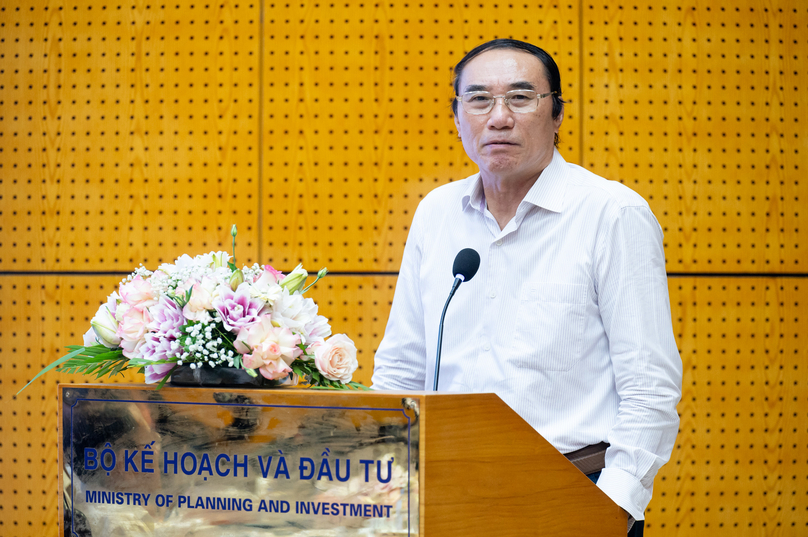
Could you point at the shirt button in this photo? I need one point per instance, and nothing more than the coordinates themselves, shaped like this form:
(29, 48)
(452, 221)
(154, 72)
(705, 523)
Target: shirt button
(499, 243)
(487, 348)
(493, 294)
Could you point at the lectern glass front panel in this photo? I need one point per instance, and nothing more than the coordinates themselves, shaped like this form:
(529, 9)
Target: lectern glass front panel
(206, 462)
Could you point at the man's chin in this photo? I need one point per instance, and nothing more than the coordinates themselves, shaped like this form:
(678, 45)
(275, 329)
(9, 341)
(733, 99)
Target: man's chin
(501, 160)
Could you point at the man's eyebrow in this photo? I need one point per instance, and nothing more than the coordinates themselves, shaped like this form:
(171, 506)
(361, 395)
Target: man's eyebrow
(523, 85)
(514, 85)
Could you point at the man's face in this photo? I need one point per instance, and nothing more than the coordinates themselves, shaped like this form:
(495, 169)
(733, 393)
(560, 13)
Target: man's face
(504, 144)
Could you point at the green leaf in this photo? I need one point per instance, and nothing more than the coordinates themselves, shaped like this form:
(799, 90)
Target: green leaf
(114, 355)
(92, 350)
(101, 358)
(97, 360)
(57, 363)
(181, 300)
(91, 368)
(118, 369)
(107, 367)
(168, 376)
(101, 373)
(142, 362)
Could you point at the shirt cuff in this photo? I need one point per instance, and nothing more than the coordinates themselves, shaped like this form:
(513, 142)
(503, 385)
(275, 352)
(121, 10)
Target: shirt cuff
(625, 490)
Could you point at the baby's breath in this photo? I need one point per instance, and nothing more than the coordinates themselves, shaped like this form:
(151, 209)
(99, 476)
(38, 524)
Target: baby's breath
(251, 273)
(207, 343)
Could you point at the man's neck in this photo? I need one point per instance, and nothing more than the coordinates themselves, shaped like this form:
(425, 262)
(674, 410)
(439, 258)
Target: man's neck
(505, 191)
(503, 194)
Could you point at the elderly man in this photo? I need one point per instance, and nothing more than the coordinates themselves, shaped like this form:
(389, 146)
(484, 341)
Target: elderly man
(568, 319)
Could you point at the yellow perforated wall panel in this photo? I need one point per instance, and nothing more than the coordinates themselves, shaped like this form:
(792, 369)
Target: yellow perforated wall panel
(357, 306)
(700, 108)
(358, 119)
(129, 132)
(739, 465)
(38, 316)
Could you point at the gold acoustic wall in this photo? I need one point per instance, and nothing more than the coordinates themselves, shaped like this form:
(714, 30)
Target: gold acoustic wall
(135, 132)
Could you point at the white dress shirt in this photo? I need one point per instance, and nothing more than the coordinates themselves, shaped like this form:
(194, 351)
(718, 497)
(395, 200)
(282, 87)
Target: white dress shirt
(568, 319)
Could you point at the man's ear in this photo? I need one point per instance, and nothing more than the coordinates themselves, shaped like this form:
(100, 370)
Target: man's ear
(557, 121)
(457, 125)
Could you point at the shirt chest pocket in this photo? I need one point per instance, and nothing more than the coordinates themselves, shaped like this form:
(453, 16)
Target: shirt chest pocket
(549, 326)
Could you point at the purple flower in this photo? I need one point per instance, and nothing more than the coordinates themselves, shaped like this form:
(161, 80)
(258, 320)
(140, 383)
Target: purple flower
(155, 373)
(167, 319)
(161, 340)
(159, 348)
(237, 310)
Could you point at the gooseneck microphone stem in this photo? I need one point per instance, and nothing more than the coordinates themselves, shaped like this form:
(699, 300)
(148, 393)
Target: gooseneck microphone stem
(465, 267)
(458, 280)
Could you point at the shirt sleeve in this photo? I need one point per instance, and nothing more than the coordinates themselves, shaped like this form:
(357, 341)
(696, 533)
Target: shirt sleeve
(400, 361)
(634, 306)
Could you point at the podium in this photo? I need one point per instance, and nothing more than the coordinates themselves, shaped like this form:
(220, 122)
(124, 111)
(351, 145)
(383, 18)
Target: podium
(230, 462)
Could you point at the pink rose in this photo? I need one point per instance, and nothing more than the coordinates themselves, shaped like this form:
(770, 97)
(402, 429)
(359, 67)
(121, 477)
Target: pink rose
(201, 300)
(138, 293)
(271, 275)
(336, 358)
(132, 330)
(268, 348)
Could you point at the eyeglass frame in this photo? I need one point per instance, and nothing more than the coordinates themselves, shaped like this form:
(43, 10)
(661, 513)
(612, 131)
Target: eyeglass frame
(505, 100)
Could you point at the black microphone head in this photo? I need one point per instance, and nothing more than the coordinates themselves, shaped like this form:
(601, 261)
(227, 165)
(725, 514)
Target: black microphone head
(466, 264)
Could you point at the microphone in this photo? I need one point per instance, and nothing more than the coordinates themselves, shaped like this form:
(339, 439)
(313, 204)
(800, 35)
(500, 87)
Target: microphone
(465, 267)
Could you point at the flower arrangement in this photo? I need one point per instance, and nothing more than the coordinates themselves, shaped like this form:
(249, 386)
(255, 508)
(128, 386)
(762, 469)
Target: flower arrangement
(204, 312)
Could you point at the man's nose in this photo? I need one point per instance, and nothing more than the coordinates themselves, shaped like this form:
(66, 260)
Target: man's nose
(500, 116)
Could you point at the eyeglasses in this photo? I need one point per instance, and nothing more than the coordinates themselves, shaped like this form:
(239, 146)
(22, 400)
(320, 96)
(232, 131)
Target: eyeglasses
(478, 103)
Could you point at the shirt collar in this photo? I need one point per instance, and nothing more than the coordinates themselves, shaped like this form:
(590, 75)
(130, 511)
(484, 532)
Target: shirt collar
(547, 192)
(474, 196)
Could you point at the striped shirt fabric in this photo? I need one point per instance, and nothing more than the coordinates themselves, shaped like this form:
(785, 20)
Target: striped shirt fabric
(568, 319)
